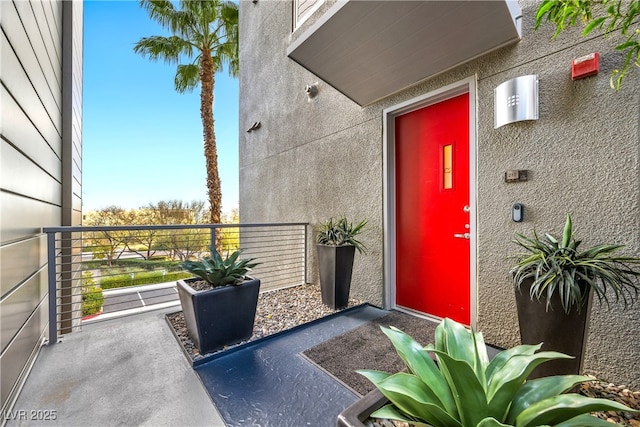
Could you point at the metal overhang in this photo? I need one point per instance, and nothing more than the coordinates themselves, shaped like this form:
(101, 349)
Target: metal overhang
(369, 50)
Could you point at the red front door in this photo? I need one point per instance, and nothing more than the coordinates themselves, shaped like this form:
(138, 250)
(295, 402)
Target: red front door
(432, 210)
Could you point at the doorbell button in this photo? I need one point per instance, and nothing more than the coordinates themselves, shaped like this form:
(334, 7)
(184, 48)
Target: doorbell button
(517, 212)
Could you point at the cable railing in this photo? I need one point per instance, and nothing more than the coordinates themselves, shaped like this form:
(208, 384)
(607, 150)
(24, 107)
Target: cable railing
(97, 273)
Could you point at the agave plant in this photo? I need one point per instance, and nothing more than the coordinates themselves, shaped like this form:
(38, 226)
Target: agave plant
(558, 266)
(465, 389)
(218, 271)
(340, 232)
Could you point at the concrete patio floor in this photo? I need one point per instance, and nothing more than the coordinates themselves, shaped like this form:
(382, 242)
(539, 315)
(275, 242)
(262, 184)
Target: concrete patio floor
(127, 371)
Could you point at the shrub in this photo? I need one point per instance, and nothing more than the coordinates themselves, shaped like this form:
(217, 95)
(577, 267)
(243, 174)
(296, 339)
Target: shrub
(340, 232)
(141, 278)
(92, 300)
(149, 265)
(220, 272)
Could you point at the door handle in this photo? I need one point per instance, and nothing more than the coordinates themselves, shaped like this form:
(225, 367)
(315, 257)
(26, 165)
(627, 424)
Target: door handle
(463, 236)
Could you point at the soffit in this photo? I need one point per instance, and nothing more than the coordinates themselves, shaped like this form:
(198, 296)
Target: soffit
(371, 49)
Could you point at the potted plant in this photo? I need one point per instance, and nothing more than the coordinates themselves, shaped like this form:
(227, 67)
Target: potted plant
(461, 387)
(554, 283)
(336, 244)
(220, 304)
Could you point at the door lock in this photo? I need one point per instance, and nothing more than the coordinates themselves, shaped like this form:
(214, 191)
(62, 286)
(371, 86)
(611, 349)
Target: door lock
(462, 235)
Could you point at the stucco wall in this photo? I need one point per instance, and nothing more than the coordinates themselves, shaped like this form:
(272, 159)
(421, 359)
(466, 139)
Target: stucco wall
(312, 160)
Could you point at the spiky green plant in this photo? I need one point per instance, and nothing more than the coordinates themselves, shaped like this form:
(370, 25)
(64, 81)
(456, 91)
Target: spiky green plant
(340, 232)
(559, 267)
(465, 389)
(218, 271)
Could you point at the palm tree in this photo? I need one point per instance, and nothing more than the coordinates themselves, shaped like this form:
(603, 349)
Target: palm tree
(206, 34)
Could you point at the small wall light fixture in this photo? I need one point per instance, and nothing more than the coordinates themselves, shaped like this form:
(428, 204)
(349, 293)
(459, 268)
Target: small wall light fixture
(254, 126)
(516, 100)
(311, 90)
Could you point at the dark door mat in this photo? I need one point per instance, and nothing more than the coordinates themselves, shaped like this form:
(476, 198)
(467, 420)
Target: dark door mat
(366, 347)
(267, 383)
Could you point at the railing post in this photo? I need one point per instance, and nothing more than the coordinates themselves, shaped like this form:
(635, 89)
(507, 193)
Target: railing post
(212, 238)
(51, 270)
(306, 252)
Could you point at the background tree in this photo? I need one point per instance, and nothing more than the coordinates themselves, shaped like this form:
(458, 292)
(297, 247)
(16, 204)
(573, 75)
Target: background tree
(107, 244)
(142, 242)
(205, 33)
(182, 244)
(230, 237)
(610, 16)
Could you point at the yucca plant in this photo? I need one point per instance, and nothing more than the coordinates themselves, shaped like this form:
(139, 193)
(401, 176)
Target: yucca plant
(340, 232)
(218, 271)
(558, 266)
(465, 389)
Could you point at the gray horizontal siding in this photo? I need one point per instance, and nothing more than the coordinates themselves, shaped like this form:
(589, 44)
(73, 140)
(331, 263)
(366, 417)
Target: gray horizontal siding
(33, 55)
(15, 359)
(51, 39)
(18, 306)
(18, 130)
(21, 216)
(21, 260)
(21, 175)
(18, 84)
(32, 172)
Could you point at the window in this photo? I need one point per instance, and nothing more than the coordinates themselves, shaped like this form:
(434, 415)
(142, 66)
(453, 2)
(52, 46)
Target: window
(303, 9)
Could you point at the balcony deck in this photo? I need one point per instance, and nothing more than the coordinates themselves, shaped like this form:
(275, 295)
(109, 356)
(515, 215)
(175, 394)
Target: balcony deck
(132, 371)
(128, 371)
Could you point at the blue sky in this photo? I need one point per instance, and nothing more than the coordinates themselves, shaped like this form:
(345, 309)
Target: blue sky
(142, 141)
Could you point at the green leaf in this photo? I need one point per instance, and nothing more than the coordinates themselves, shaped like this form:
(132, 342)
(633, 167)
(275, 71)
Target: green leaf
(593, 24)
(503, 357)
(468, 393)
(414, 398)
(390, 412)
(465, 345)
(419, 362)
(562, 408)
(459, 342)
(543, 10)
(539, 389)
(374, 376)
(506, 382)
(567, 233)
(584, 420)
(491, 422)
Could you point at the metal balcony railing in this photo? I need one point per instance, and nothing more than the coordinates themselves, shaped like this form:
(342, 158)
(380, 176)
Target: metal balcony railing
(100, 272)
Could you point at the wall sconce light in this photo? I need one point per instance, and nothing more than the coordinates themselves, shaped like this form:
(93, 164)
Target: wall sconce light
(254, 126)
(516, 100)
(311, 90)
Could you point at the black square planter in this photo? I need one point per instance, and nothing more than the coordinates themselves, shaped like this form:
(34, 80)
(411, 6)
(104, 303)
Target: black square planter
(356, 414)
(220, 316)
(336, 265)
(555, 329)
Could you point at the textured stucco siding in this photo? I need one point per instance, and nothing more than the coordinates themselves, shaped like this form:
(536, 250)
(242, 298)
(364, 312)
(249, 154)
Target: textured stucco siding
(314, 159)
